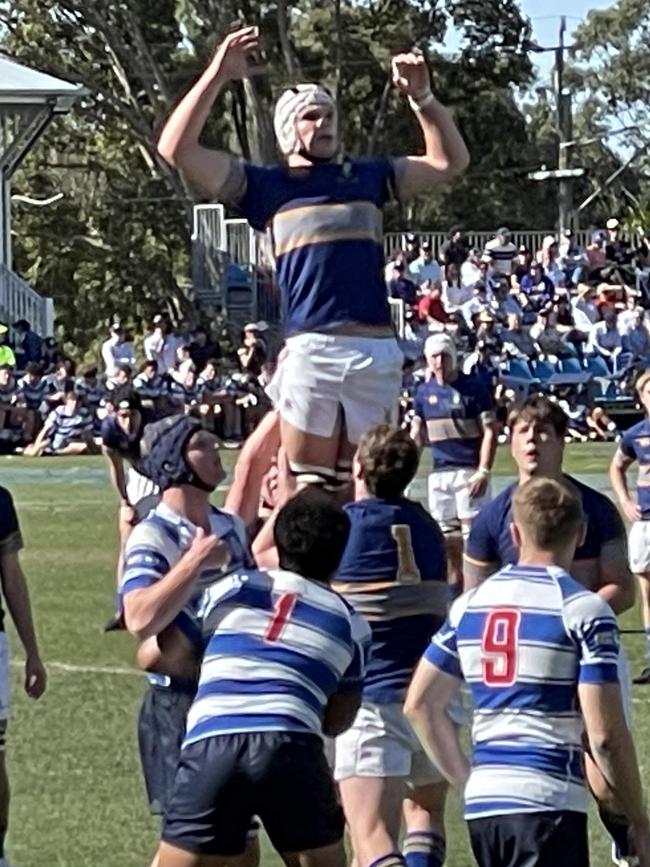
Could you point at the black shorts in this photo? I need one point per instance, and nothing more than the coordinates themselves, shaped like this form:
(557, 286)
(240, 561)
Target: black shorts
(550, 839)
(225, 780)
(161, 729)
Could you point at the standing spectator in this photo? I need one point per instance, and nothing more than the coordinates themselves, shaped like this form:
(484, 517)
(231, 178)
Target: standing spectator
(68, 429)
(252, 352)
(455, 249)
(203, 347)
(502, 251)
(16, 597)
(116, 351)
(412, 250)
(596, 258)
(425, 268)
(605, 338)
(6, 352)
(184, 363)
(470, 270)
(522, 264)
(619, 255)
(572, 259)
(548, 258)
(28, 345)
(52, 355)
(154, 342)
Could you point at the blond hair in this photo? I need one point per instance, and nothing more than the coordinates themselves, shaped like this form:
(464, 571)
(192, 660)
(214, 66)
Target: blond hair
(641, 382)
(549, 512)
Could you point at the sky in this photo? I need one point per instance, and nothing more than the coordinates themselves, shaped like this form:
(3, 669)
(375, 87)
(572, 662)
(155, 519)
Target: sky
(545, 20)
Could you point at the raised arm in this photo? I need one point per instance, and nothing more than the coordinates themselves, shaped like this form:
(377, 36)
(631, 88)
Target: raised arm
(207, 169)
(445, 152)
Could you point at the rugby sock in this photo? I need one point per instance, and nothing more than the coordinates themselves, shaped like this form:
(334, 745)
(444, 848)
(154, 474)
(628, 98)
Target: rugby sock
(393, 859)
(647, 638)
(424, 849)
(618, 829)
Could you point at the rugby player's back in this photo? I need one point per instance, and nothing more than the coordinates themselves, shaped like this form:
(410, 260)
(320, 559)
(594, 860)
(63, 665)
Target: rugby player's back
(394, 573)
(523, 641)
(277, 647)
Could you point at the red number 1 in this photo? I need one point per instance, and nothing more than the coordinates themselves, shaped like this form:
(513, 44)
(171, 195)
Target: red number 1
(499, 647)
(282, 612)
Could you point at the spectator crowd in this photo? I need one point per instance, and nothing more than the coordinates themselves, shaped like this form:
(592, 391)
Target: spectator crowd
(50, 405)
(571, 321)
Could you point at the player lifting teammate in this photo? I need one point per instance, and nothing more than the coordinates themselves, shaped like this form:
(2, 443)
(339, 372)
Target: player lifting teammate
(342, 371)
(527, 640)
(394, 573)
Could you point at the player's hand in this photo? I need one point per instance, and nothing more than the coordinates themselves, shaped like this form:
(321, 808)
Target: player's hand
(410, 74)
(477, 485)
(640, 839)
(237, 56)
(35, 677)
(208, 550)
(128, 514)
(631, 510)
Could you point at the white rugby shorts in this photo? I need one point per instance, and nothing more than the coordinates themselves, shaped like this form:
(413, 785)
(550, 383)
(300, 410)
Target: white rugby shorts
(639, 547)
(324, 374)
(5, 682)
(449, 500)
(382, 743)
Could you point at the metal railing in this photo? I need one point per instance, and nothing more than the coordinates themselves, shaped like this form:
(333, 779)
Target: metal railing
(19, 301)
(531, 239)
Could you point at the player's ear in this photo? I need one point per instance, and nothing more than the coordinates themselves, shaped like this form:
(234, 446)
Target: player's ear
(515, 535)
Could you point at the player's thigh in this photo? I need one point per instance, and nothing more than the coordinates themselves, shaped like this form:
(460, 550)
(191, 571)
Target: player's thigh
(442, 500)
(467, 508)
(639, 548)
(371, 390)
(172, 856)
(530, 840)
(295, 796)
(309, 455)
(5, 697)
(327, 856)
(211, 810)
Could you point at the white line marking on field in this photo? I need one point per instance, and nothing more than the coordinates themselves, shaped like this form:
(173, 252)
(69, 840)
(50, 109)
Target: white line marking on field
(68, 668)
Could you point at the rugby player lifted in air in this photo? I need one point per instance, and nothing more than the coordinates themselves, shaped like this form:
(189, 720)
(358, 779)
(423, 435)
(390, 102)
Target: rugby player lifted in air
(342, 371)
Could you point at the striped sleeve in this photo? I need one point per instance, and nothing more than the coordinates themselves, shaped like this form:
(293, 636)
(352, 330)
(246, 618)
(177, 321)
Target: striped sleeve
(593, 626)
(145, 560)
(443, 650)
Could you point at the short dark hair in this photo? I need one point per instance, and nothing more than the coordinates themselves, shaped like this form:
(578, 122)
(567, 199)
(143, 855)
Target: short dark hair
(6, 367)
(89, 372)
(310, 534)
(150, 362)
(34, 368)
(389, 460)
(542, 410)
(124, 368)
(68, 365)
(22, 325)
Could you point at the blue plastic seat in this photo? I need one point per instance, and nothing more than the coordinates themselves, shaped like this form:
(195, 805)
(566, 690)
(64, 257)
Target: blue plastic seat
(571, 365)
(543, 370)
(519, 369)
(597, 366)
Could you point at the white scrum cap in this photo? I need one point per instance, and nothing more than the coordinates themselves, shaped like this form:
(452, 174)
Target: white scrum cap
(440, 343)
(288, 108)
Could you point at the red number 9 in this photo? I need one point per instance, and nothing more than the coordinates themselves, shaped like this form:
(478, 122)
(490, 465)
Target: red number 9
(499, 647)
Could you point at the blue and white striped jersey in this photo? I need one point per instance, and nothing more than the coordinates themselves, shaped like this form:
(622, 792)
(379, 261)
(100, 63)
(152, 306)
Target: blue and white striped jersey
(158, 542)
(523, 640)
(32, 389)
(277, 647)
(65, 428)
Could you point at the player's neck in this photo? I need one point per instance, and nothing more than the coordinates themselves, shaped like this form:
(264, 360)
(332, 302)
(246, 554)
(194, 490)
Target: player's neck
(190, 503)
(556, 474)
(530, 555)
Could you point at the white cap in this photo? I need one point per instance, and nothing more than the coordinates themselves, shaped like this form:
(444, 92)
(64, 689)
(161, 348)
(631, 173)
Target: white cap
(440, 343)
(612, 223)
(288, 108)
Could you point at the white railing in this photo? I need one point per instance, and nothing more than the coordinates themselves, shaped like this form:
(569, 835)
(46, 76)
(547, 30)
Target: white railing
(529, 238)
(19, 301)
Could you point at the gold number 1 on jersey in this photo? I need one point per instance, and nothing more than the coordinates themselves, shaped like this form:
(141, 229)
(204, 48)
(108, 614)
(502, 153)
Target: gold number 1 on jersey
(407, 570)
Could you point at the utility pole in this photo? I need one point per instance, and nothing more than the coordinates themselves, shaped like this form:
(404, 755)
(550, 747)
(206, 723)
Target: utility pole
(565, 135)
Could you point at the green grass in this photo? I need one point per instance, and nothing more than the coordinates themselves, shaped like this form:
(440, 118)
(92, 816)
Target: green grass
(77, 794)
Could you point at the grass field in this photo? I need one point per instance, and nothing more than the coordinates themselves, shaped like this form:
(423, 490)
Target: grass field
(77, 794)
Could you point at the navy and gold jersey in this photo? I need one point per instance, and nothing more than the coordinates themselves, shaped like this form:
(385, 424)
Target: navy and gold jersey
(327, 230)
(454, 415)
(394, 573)
(490, 541)
(635, 445)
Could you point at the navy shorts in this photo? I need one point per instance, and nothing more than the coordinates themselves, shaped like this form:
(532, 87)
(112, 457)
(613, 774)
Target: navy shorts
(161, 729)
(225, 780)
(531, 840)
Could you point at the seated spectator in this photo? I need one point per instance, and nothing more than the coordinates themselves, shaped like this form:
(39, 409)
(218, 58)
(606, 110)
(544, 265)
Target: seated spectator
(398, 258)
(185, 393)
(52, 355)
(57, 384)
(522, 263)
(430, 310)
(203, 347)
(184, 363)
(252, 352)
(585, 311)
(455, 249)
(68, 429)
(477, 303)
(547, 258)
(537, 286)
(501, 251)
(412, 250)
(27, 345)
(572, 258)
(454, 294)
(117, 350)
(470, 270)
(627, 316)
(32, 388)
(8, 392)
(425, 269)
(547, 337)
(596, 258)
(636, 340)
(487, 335)
(517, 342)
(402, 287)
(605, 338)
(91, 390)
(565, 321)
(6, 352)
(123, 376)
(506, 303)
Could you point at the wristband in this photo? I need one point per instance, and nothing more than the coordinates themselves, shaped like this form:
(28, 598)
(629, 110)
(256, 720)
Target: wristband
(421, 101)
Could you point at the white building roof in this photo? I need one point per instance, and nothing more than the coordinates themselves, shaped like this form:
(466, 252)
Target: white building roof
(20, 85)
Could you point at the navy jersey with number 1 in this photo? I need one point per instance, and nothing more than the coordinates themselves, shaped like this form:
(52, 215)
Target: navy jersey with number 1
(394, 573)
(635, 445)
